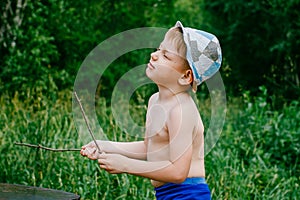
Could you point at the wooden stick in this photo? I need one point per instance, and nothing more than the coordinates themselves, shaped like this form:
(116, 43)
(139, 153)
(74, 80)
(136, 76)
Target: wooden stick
(45, 148)
(87, 124)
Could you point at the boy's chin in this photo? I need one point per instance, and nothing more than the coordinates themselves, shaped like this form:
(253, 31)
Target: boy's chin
(148, 73)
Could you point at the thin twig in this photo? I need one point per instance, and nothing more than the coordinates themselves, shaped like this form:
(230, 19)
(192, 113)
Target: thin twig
(87, 124)
(45, 148)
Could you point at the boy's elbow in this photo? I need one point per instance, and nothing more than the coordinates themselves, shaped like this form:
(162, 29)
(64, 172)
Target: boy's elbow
(179, 177)
(180, 173)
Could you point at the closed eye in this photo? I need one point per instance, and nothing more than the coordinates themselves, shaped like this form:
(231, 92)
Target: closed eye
(164, 53)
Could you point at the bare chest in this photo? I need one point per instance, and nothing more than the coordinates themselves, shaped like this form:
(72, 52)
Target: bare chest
(156, 121)
(157, 132)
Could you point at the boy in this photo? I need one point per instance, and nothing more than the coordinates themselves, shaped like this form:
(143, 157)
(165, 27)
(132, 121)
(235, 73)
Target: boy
(172, 153)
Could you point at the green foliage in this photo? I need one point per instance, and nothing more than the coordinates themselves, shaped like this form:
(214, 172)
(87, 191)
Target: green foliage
(260, 41)
(29, 52)
(43, 43)
(40, 120)
(279, 131)
(257, 156)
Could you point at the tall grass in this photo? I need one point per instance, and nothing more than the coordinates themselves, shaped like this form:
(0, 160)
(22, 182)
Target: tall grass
(257, 156)
(39, 119)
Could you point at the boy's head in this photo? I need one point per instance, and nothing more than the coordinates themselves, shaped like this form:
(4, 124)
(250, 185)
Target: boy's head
(195, 54)
(168, 66)
(201, 49)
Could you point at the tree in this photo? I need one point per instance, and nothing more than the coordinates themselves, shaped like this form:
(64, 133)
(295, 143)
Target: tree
(43, 42)
(260, 41)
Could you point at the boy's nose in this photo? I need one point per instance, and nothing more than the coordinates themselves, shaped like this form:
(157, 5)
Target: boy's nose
(154, 56)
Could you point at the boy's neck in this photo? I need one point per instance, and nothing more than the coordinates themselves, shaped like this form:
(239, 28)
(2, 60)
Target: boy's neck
(167, 93)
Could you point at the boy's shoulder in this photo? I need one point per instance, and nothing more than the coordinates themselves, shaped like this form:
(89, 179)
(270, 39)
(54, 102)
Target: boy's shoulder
(185, 106)
(152, 98)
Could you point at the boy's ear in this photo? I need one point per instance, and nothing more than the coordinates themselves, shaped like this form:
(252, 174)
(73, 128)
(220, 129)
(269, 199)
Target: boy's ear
(186, 78)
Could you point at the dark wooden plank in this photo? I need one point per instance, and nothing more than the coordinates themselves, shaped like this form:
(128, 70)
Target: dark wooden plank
(18, 192)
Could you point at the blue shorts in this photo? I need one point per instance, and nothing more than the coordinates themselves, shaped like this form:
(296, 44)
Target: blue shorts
(191, 188)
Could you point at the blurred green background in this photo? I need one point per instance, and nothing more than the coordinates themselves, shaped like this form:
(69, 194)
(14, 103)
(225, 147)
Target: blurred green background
(43, 44)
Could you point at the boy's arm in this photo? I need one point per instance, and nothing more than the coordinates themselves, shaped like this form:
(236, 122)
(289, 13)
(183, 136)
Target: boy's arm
(135, 150)
(164, 171)
(176, 168)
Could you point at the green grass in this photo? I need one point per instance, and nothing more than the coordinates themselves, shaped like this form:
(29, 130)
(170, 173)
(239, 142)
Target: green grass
(257, 156)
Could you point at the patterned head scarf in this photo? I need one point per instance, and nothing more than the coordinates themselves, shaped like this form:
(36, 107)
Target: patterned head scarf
(203, 53)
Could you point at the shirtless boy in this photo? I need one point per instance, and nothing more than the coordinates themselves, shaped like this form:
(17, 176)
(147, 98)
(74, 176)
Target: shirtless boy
(172, 153)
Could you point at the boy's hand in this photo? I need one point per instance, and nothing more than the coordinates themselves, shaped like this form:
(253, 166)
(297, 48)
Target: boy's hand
(112, 163)
(90, 150)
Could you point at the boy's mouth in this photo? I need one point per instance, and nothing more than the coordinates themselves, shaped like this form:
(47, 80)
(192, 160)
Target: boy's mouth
(150, 65)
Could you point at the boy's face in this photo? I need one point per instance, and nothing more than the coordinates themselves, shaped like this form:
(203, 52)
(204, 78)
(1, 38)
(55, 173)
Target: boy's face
(166, 64)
